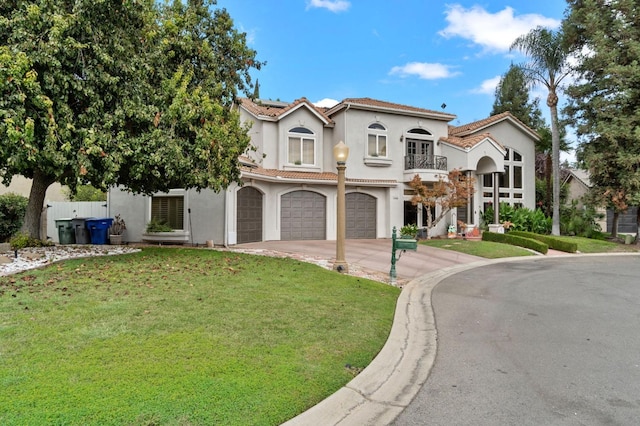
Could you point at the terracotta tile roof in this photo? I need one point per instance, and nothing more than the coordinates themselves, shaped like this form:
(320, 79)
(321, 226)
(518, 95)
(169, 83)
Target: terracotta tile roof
(275, 109)
(390, 106)
(469, 128)
(469, 141)
(310, 176)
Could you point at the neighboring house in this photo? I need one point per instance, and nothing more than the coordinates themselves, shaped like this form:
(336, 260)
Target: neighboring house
(578, 185)
(290, 181)
(22, 186)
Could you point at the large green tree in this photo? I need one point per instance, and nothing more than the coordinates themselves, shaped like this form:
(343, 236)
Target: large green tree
(547, 66)
(605, 99)
(512, 94)
(133, 93)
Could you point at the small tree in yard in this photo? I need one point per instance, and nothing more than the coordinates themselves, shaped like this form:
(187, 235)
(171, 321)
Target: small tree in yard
(138, 94)
(447, 193)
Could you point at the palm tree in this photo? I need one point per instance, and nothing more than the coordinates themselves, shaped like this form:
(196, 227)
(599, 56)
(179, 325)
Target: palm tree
(548, 67)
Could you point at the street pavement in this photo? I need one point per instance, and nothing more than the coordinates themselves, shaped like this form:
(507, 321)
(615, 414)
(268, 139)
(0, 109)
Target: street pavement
(542, 342)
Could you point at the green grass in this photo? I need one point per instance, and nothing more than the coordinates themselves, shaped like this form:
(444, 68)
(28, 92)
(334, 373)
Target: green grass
(182, 337)
(486, 249)
(492, 250)
(589, 245)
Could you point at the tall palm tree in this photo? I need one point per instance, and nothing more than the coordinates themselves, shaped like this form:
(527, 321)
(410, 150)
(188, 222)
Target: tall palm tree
(548, 67)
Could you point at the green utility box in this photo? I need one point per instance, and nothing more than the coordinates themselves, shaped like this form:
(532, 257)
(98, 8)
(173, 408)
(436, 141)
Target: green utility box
(66, 233)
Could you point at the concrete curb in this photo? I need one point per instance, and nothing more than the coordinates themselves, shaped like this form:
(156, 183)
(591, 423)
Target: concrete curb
(388, 385)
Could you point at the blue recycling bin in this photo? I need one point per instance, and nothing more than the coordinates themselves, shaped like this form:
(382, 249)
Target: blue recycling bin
(99, 229)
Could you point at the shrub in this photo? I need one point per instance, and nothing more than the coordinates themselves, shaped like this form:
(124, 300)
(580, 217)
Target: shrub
(85, 193)
(157, 225)
(580, 222)
(22, 240)
(409, 231)
(552, 242)
(521, 219)
(515, 240)
(12, 209)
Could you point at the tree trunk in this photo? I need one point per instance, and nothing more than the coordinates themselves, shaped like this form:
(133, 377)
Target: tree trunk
(614, 224)
(549, 193)
(32, 216)
(638, 225)
(555, 161)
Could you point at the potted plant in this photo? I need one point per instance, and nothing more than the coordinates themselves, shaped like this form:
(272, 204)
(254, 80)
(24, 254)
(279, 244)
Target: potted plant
(451, 231)
(160, 231)
(116, 230)
(409, 231)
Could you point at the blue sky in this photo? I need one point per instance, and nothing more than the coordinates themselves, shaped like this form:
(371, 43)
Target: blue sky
(416, 52)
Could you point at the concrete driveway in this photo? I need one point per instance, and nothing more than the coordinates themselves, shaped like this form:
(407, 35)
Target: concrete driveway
(374, 255)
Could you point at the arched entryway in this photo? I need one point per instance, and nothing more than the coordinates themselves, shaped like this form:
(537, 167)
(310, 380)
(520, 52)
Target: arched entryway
(303, 216)
(361, 215)
(249, 215)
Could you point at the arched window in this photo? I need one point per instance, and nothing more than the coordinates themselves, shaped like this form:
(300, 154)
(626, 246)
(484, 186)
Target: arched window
(302, 146)
(510, 182)
(376, 140)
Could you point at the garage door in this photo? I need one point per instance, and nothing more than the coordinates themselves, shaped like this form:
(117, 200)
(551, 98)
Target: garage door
(249, 215)
(303, 216)
(361, 215)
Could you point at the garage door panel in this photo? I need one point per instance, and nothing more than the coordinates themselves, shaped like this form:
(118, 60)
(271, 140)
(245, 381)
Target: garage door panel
(303, 216)
(361, 215)
(249, 215)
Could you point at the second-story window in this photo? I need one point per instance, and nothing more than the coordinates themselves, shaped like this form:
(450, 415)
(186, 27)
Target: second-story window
(377, 140)
(302, 146)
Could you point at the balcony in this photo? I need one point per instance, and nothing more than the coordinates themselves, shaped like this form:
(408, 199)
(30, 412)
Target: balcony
(425, 162)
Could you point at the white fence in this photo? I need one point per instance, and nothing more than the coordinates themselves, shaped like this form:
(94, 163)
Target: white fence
(70, 210)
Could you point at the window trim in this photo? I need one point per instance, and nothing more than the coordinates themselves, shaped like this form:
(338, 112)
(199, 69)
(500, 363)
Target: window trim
(378, 131)
(172, 193)
(301, 134)
(510, 193)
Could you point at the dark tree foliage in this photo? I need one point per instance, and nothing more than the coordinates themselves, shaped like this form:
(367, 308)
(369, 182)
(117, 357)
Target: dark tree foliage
(605, 98)
(512, 94)
(131, 92)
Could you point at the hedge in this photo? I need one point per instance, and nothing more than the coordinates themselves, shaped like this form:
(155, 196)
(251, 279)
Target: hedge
(515, 240)
(12, 209)
(553, 243)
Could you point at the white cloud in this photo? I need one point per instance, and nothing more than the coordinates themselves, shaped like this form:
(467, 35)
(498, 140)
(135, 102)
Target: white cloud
(331, 5)
(495, 32)
(326, 103)
(424, 70)
(487, 87)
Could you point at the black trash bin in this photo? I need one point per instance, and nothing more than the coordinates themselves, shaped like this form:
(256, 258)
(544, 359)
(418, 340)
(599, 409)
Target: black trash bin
(65, 231)
(79, 224)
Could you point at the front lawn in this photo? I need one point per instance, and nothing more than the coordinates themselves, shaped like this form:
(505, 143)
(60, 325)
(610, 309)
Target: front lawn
(590, 245)
(492, 250)
(184, 337)
(486, 249)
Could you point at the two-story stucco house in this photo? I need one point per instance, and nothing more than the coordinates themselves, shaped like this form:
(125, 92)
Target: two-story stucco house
(290, 183)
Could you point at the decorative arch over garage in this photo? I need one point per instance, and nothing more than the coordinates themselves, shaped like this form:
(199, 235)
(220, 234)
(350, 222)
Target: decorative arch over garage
(303, 216)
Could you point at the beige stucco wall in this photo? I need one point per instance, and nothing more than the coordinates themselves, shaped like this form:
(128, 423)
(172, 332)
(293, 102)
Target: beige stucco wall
(22, 186)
